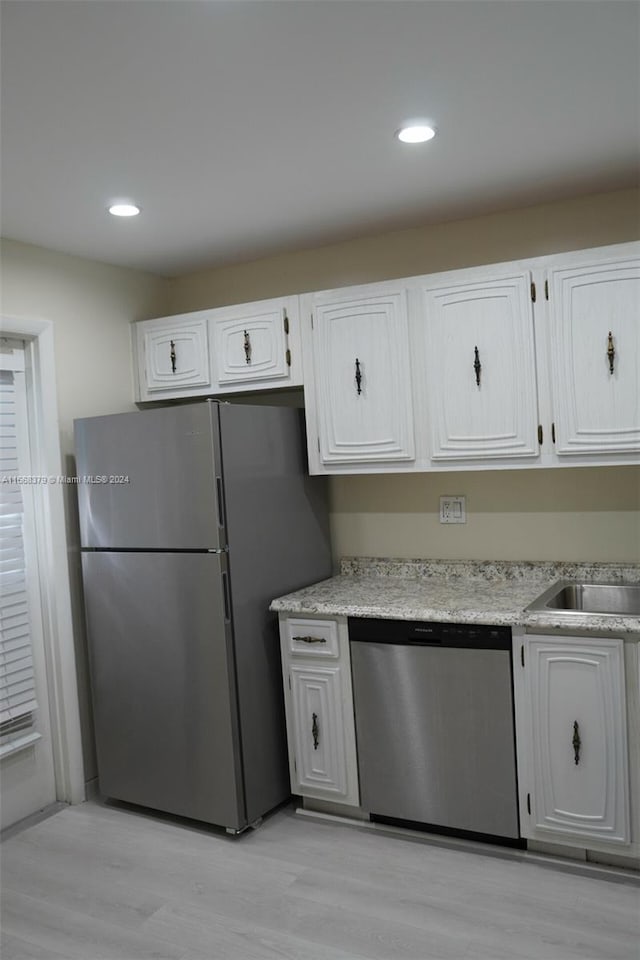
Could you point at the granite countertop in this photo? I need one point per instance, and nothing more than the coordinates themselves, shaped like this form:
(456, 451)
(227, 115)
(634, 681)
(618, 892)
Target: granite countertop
(457, 592)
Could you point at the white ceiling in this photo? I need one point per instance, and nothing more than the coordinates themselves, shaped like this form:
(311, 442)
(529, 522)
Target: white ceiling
(245, 128)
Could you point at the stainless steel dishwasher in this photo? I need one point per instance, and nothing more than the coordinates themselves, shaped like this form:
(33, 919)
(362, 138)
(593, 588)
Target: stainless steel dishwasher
(434, 725)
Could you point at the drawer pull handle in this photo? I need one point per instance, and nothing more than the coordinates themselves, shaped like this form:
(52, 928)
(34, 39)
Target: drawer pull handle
(576, 742)
(477, 366)
(247, 346)
(172, 355)
(358, 377)
(315, 730)
(611, 351)
(309, 640)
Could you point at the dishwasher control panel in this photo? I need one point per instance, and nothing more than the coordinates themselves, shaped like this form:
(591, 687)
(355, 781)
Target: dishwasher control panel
(480, 636)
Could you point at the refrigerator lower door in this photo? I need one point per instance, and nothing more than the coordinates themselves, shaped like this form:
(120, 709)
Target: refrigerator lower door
(162, 681)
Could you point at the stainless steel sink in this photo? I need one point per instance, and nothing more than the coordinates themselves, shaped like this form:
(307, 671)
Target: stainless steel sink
(605, 599)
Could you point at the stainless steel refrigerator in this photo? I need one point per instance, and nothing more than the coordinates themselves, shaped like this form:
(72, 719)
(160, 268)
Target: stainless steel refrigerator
(192, 519)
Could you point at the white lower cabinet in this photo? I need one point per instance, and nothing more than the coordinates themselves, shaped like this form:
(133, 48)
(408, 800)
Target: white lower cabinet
(319, 708)
(572, 740)
(318, 744)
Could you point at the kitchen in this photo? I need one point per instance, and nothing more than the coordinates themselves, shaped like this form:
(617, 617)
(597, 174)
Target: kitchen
(569, 514)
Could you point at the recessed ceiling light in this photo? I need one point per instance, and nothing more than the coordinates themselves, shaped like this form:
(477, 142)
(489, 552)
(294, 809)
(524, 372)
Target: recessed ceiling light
(415, 133)
(124, 209)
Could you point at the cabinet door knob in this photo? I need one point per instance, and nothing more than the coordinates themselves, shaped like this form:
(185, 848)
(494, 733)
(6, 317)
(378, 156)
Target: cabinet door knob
(315, 730)
(172, 355)
(309, 639)
(358, 378)
(477, 366)
(611, 351)
(576, 742)
(247, 346)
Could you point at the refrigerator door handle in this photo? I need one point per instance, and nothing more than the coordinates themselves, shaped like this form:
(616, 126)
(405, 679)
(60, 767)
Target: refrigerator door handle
(220, 502)
(227, 600)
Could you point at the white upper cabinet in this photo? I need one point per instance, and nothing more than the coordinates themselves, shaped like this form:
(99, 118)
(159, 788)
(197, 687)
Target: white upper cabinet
(594, 350)
(530, 363)
(358, 380)
(246, 347)
(252, 345)
(172, 357)
(476, 341)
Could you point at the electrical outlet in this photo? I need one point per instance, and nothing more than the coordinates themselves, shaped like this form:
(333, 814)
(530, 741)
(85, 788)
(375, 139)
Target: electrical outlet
(453, 510)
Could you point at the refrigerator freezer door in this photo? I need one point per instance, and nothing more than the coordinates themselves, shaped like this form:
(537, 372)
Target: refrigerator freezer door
(162, 680)
(150, 480)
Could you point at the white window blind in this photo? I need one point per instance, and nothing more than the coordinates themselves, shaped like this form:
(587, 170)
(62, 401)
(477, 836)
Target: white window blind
(17, 681)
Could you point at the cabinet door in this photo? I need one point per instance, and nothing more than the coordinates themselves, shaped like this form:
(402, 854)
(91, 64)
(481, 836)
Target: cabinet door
(251, 345)
(576, 700)
(595, 345)
(481, 373)
(362, 378)
(173, 356)
(318, 747)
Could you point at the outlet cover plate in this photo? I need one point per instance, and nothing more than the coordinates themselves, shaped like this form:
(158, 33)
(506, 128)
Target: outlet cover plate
(453, 510)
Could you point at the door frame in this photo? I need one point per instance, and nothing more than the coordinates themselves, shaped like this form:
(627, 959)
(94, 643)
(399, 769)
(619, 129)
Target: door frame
(52, 549)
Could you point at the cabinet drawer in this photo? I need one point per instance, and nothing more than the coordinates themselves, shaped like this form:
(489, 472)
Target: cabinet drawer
(312, 638)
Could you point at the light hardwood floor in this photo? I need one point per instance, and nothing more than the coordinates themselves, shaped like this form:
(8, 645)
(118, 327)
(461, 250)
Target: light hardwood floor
(96, 881)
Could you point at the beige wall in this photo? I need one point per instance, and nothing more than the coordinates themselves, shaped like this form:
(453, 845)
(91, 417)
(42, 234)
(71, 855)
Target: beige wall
(590, 513)
(529, 232)
(91, 306)
(569, 514)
